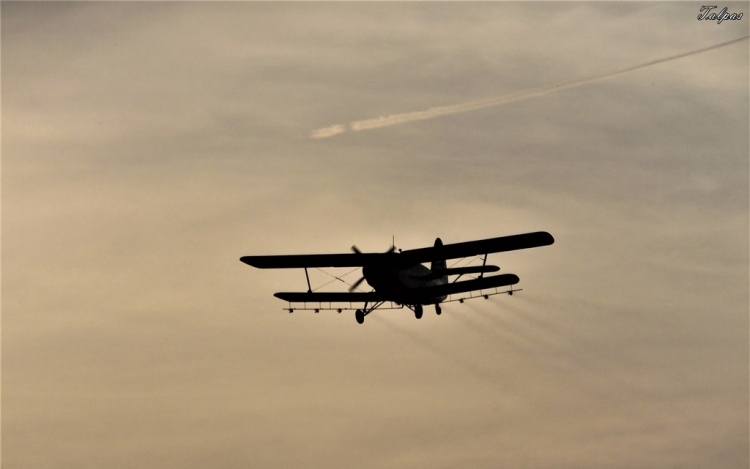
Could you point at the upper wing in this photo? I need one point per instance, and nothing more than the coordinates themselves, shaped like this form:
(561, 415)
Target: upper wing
(411, 257)
(299, 261)
(474, 248)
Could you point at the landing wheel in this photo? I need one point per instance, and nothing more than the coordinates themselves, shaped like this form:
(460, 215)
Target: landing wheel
(360, 316)
(438, 310)
(418, 311)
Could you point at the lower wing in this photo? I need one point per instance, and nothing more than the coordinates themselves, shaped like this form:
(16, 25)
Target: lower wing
(423, 295)
(330, 297)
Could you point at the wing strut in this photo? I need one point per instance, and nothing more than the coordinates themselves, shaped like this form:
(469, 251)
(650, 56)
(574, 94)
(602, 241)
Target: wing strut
(484, 261)
(309, 289)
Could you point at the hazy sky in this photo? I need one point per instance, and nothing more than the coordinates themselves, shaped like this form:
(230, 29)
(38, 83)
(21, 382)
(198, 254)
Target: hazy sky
(147, 146)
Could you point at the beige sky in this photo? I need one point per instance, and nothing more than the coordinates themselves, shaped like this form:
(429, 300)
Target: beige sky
(147, 146)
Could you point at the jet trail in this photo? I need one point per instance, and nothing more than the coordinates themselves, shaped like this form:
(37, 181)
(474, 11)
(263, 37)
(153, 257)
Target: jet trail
(433, 112)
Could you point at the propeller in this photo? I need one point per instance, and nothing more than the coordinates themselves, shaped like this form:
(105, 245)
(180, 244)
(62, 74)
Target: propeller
(356, 284)
(361, 279)
(356, 250)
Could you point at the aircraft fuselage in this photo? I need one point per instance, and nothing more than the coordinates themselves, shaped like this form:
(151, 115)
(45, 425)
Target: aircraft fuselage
(398, 281)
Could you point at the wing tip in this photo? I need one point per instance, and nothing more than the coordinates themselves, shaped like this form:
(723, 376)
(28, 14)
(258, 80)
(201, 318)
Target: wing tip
(547, 238)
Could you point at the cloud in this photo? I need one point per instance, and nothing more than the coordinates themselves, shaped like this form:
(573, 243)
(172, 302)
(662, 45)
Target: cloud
(431, 113)
(328, 131)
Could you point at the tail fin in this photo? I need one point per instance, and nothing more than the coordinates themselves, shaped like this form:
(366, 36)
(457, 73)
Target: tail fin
(439, 265)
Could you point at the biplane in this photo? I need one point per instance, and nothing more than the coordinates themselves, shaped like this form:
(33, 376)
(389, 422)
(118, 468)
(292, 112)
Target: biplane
(401, 279)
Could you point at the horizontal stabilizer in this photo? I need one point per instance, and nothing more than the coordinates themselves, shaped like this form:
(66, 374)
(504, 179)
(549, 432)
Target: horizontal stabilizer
(478, 269)
(426, 294)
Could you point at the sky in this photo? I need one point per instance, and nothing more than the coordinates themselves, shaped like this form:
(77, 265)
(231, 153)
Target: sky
(146, 147)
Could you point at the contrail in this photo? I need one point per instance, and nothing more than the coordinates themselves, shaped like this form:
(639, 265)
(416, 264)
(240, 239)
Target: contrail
(432, 112)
